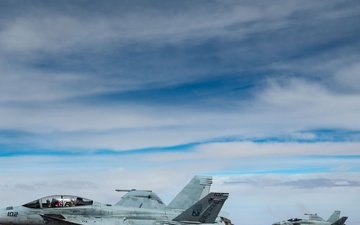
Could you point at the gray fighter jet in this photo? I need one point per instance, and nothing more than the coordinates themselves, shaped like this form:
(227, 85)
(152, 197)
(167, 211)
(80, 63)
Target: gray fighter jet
(314, 219)
(135, 208)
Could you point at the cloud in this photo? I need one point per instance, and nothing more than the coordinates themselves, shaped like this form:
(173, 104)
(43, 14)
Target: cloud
(64, 184)
(301, 183)
(303, 102)
(315, 183)
(143, 23)
(262, 96)
(347, 76)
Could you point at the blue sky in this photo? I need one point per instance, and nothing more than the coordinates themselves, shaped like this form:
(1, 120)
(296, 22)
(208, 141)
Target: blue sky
(263, 96)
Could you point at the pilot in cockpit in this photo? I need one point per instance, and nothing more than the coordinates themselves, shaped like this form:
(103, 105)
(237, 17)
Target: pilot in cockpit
(73, 202)
(56, 203)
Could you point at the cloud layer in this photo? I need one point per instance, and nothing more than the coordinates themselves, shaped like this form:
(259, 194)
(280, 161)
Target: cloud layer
(263, 96)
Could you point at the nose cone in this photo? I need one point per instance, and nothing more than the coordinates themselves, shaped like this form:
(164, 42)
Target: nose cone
(8, 215)
(3, 217)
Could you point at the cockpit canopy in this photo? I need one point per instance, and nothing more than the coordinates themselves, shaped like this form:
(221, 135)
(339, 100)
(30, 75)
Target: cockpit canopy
(294, 219)
(59, 201)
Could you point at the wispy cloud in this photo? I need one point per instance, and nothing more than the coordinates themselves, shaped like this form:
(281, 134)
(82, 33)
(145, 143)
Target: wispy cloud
(301, 183)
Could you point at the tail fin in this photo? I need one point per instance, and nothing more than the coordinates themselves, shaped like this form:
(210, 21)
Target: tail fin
(340, 221)
(206, 210)
(334, 217)
(196, 189)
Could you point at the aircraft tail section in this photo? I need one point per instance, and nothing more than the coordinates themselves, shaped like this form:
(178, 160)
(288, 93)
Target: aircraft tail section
(196, 189)
(204, 211)
(334, 217)
(340, 221)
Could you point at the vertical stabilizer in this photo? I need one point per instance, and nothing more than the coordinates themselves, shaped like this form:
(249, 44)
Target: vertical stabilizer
(206, 210)
(196, 189)
(340, 221)
(334, 217)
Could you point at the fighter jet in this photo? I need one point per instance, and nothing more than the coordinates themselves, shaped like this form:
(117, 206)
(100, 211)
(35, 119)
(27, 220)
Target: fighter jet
(75, 210)
(314, 219)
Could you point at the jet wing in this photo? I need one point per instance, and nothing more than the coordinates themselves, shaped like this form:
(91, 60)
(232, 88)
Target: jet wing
(60, 219)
